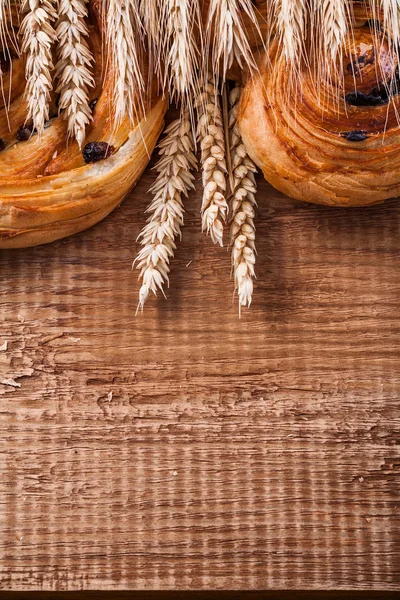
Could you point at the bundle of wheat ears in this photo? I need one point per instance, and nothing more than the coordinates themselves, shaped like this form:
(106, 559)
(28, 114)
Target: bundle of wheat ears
(214, 60)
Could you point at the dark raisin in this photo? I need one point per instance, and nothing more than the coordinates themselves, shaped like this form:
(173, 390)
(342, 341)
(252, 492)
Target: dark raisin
(24, 133)
(2, 144)
(95, 151)
(358, 65)
(376, 97)
(355, 136)
(92, 104)
(6, 56)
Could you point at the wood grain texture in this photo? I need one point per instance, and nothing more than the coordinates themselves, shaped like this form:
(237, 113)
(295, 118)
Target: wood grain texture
(202, 595)
(185, 449)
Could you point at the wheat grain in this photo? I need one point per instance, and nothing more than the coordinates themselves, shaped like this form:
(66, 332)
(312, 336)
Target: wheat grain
(175, 179)
(180, 48)
(38, 36)
(227, 37)
(291, 24)
(124, 34)
(72, 69)
(242, 208)
(210, 134)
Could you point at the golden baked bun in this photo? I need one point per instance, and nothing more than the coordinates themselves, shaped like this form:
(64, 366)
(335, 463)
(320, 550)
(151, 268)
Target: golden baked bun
(49, 188)
(320, 146)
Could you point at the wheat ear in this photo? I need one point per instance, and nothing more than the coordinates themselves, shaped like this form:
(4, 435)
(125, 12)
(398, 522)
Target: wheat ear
(73, 66)
(333, 26)
(227, 37)
(210, 133)
(124, 38)
(180, 20)
(38, 36)
(291, 24)
(175, 179)
(242, 208)
(150, 13)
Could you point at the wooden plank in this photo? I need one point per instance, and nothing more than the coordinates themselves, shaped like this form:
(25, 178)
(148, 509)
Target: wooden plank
(204, 595)
(188, 449)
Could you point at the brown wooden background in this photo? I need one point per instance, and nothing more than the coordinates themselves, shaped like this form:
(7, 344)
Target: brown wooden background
(188, 449)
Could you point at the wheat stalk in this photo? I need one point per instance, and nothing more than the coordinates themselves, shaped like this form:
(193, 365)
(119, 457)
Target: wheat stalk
(72, 68)
(180, 20)
(210, 133)
(291, 24)
(124, 33)
(227, 37)
(175, 179)
(38, 36)
(242, 208)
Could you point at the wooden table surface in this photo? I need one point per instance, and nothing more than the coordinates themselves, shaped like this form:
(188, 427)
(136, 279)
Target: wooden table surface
(185, 448)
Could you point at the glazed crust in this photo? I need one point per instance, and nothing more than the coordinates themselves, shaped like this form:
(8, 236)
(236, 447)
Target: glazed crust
(41, 210)
(318, 147)
(46, 190)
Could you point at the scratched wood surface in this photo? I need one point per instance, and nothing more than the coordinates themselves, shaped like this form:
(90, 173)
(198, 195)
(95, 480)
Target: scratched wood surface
(188, 449)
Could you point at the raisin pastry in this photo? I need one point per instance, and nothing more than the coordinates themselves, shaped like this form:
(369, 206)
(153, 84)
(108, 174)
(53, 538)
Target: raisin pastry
(329, 142)
(49, 187)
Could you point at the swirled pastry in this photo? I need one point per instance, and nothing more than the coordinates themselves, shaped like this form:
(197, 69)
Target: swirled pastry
(49, 187)
(329, 141)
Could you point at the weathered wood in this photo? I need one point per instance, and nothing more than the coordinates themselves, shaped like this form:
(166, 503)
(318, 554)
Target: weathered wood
(188, 449)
